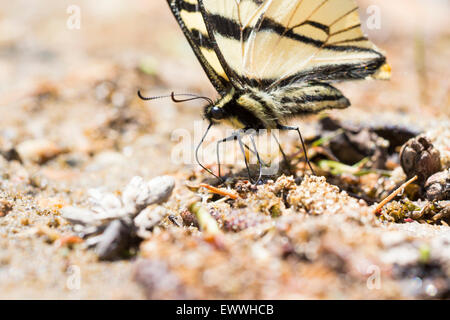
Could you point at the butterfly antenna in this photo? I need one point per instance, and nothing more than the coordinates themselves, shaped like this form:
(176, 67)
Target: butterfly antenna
(173, 97)
(196, 154)
(149, 98)
(194, 97)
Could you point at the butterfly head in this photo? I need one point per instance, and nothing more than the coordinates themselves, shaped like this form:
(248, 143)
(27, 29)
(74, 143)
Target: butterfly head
(215, 113)
(236, 108)
(219, 110)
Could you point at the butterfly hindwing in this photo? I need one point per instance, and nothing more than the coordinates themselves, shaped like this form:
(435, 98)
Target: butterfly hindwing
(270, 43)
(286, 102)
(190, 19)
(306, 98)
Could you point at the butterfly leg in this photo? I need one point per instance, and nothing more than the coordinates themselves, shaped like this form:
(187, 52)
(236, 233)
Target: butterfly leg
(252, 139)
(283, 154)
(233, 137)
(241, 145)
(238, 135)
(255, 152)
(197, 150)
(281, 127)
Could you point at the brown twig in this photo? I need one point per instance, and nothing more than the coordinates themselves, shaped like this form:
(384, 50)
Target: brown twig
(69, 240)
(221, 192)
(393, 195)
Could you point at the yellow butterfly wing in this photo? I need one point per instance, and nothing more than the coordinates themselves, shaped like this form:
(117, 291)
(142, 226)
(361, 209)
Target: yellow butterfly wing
(269, 43)
(190, 19)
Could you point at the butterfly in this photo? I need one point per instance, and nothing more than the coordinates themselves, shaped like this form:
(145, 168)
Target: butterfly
(274, 60)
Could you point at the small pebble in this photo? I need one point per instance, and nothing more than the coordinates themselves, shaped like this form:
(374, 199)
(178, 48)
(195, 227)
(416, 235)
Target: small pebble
(39, 150)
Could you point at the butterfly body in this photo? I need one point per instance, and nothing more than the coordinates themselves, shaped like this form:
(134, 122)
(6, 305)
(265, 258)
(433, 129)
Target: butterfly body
(255, 108)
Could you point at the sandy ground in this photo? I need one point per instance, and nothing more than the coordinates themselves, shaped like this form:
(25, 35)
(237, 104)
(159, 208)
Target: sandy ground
(71, 115)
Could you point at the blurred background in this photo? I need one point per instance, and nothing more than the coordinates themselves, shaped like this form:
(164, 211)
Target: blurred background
(68, 88)
(67, 68)
(36, 45)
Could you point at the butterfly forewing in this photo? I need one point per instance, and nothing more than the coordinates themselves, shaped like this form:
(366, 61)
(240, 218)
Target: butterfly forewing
(190, 19)
(275, 42)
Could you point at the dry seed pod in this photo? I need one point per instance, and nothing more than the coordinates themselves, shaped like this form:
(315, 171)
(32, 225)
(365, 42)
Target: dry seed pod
(437, 186)
(419, 157)
(445, 211)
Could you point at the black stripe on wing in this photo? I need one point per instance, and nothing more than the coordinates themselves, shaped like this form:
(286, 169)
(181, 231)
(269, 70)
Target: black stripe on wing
(198, 40)
(337, 72)
(189, 7)
(329, 73)
(201, 39)
(231, 29)
(217, 24)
